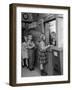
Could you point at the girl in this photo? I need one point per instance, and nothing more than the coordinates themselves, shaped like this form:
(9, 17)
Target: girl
(42, 54)
(31, 47)
(25, 52)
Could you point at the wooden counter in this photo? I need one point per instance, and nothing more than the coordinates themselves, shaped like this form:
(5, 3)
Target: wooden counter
(55, 61)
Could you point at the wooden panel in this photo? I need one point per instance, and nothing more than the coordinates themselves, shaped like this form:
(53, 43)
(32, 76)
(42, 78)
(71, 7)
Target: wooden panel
(56, 58)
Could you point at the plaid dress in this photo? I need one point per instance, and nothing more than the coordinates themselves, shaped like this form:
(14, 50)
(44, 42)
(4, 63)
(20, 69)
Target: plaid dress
(42, 53)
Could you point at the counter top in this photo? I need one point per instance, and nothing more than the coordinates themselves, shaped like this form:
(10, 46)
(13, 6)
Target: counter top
(54, 48)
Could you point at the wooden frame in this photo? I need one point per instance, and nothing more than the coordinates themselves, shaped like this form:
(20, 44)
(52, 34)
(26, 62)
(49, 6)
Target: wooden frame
(13, 40)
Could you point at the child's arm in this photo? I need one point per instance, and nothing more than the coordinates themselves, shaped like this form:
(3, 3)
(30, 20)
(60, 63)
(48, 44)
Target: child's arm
(24, 46)
(31, 45)
(47, 46)
(44, 47)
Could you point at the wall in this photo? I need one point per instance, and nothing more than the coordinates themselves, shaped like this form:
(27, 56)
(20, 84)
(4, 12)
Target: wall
(60, 32)
(4, 45)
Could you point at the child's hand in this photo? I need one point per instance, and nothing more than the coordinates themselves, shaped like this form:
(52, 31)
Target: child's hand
(48, 45)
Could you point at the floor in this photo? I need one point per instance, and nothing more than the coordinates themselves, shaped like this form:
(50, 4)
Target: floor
(27, 73)
(36, 72)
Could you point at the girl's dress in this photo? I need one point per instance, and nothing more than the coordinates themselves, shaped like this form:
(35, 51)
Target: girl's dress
(42, 53)
(24, 51)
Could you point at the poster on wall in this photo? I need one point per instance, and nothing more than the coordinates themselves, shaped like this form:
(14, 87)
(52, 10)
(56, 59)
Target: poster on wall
(39, 44)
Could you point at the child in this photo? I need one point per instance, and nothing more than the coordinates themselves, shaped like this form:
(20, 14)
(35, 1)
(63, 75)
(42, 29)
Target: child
(31, 47)
(53, 39)
(42, 54)
(25, 53)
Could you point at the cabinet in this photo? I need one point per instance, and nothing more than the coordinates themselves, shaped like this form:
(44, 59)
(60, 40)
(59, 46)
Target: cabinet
(55, 61)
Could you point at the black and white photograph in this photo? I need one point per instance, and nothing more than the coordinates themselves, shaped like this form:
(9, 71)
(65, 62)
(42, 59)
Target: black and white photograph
(40, 44)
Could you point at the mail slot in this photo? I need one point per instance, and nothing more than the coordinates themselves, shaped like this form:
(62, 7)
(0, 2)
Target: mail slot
(56, 62)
